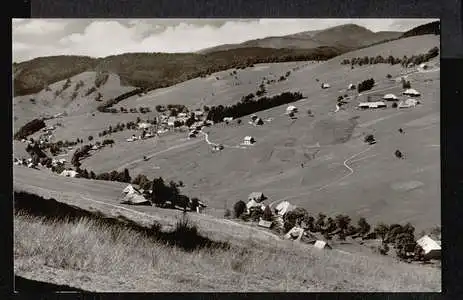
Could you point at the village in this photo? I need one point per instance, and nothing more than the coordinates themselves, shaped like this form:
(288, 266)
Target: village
(327, 160)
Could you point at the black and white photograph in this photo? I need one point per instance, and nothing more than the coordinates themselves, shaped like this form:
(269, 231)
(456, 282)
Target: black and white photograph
(227, 155)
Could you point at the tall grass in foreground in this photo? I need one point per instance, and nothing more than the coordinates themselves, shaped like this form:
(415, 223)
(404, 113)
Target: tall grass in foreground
(87, 246)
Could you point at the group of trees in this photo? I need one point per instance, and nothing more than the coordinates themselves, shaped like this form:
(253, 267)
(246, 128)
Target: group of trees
(366, 85)
(29, 128)
(404, 61)
(131, 125)
(80, 154)
(247, 107)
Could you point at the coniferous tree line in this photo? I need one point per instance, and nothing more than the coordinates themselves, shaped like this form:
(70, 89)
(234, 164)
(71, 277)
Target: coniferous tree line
(404, 61)
(249, 106)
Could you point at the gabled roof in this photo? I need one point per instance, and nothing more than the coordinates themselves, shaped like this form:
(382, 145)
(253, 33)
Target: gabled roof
(428, 244)
(390, 96)
(411, 92)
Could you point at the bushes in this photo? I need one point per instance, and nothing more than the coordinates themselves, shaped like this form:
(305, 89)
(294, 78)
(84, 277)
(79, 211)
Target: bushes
(366, 85)
(29, 128)
(406, 84)
(239, 208)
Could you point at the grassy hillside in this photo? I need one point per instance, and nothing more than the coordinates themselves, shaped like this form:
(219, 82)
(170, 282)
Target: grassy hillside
(89, 253)
(154, 70)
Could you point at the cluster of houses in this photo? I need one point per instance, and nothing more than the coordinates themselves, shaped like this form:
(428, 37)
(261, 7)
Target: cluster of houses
(405, 103)
(256, 200)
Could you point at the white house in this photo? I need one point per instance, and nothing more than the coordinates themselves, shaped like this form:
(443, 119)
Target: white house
(325, 86)
(351, 86)
(372, 105)
(390, 97)
(291, 109)
(182, 115)
(284, 207)
(252, 204)
(69, 173)
(408, 103)
(144, 125)
(249, 140)
(431, 248)
(411, 92)
(228, 119)
(423, 66)
(294, 234)
(321, 245)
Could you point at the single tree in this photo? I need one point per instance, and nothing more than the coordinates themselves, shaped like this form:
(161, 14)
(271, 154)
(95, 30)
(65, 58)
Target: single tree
(267, 216)
(363, 226)
(239, 208)
(381, 230)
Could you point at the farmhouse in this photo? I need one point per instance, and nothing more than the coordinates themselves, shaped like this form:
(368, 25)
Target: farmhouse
(131, 195)
(390, 97)
(322, 245)
(371, 105)
(228, 119)
(257, 196)
(144, 125)
(265, 224)
(249, 140)
(407, 103)
(325, 86)
(182, 115)
(259, 121)
(411, 92)
(69, 173)
(253, 204)
(351, 87)
(283, 208)
(423, 66)
(291, 109)
(431, 248)
(294, 234)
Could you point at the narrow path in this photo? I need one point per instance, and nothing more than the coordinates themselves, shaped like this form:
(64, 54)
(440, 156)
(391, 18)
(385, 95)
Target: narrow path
(351, 171)
(206, 138)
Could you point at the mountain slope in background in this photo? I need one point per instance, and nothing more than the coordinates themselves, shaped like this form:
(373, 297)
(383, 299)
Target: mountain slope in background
(156, 70)
(346, 37)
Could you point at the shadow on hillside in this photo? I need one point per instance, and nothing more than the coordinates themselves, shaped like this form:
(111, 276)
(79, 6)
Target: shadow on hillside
(185, 235)
(28, 285)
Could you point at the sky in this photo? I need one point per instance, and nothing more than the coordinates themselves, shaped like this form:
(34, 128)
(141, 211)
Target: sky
(103, 37)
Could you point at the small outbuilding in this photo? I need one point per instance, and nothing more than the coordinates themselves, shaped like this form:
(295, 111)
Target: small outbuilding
(265, 224)
(294, 234)
(249, 140)
(411, 93)
(407, 103)
(322, 245)
(390, 97)
(372, 105)
(431, 248)
(325, 86)
(291, 109)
